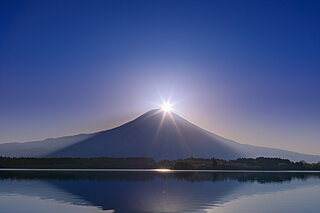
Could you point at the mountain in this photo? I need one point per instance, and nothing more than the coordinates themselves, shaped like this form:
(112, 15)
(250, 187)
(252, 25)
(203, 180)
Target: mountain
(155, 134)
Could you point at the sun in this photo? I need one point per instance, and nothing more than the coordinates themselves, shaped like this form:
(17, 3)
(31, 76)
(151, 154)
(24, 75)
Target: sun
(166, 106)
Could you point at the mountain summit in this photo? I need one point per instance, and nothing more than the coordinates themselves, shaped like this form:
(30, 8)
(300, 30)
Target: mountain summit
(156, 134)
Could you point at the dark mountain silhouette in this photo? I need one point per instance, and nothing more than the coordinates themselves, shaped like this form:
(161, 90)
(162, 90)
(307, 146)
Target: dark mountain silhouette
(155, 134)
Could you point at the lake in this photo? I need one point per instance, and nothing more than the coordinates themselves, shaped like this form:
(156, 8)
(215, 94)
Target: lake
(158, 191)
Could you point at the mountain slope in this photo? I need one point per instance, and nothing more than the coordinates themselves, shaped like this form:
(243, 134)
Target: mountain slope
(40, 148)
(155, 134)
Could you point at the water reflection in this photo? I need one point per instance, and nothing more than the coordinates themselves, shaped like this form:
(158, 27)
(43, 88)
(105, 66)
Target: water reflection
(146, 191)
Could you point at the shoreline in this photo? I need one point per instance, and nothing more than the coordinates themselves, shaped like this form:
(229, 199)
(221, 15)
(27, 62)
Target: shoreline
(162, 170)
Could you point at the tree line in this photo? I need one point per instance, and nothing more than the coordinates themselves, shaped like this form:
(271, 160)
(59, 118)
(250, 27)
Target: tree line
(261, 163)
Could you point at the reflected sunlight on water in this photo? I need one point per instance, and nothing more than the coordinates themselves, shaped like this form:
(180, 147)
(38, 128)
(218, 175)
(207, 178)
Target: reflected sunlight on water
(162, 170)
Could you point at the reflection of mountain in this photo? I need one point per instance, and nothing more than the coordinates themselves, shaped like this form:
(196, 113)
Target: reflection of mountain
(148, 192)
(155, 134)
(39, 188)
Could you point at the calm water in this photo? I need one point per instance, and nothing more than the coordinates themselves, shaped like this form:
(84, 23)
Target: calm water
(129, 192)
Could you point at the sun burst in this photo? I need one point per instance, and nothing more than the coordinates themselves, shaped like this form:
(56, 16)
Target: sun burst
(167, 106)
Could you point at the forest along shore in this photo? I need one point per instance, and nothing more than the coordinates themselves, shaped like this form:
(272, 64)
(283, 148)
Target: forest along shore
(191, 163)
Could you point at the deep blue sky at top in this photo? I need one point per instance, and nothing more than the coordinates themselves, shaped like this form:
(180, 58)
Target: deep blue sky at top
(247, 70)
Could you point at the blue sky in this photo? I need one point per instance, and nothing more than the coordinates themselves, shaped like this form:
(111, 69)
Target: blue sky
(246, 70)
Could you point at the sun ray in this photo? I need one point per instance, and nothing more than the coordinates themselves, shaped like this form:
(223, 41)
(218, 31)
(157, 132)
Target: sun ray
(159, 127)
(177, 127)
(180, 135)
(154, 113)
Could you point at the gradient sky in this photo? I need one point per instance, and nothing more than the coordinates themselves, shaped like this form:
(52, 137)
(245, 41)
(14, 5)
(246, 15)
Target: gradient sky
(246, 70)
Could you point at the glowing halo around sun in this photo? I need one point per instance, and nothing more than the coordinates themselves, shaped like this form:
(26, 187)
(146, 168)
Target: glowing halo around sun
(166, 106)
(166, 109)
